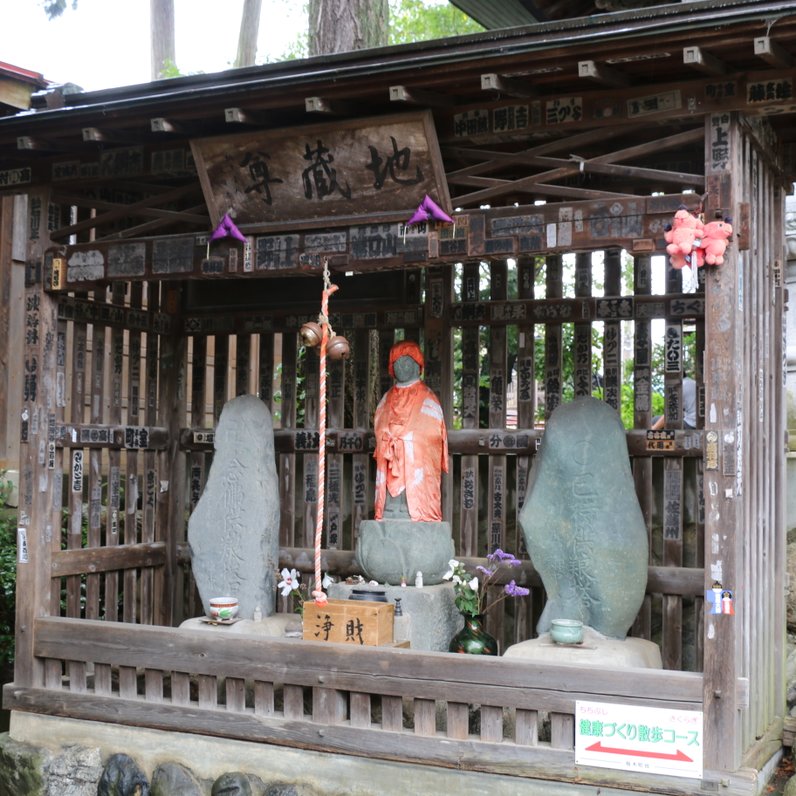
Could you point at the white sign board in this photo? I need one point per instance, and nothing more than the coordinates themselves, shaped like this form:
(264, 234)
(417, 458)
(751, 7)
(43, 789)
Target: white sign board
(643, 739)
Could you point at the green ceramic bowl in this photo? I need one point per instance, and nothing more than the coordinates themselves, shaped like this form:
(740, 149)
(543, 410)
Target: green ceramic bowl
(566, 631)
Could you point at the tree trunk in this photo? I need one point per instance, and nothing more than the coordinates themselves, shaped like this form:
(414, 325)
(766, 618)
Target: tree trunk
(249, 28)
(161, 30)
(343, 25)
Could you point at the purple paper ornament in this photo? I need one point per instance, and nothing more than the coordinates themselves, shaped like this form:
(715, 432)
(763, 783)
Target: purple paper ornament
(226, 229)
(429, 210)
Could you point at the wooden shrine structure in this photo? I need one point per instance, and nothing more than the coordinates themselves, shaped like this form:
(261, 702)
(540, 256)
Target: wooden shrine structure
(562, 150)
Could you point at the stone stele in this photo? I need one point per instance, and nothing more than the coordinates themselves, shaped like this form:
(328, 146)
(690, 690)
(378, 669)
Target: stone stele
(582, 522)
(234, 530)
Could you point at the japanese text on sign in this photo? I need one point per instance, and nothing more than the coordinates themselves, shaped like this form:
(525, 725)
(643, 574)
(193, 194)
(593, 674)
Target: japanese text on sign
(639, 738)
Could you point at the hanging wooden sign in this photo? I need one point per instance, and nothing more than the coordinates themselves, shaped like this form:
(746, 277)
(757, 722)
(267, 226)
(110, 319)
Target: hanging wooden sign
(323, 174)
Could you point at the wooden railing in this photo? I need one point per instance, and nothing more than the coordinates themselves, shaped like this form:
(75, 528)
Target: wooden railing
(457, 711)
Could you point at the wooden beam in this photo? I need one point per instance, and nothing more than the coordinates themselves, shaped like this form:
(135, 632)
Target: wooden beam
(324, 105)
(600, 73)
(418, 96)
(162, 125)
(191, 215)
(142, 207)
(241, 116)
(593, 167)
(31, 144)
(703, 61)
(772, 52)
(107, 559)
(510, 86)
(539, 182)
(97, 136)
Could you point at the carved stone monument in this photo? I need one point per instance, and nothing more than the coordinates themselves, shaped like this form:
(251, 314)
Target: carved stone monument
(234, 531)
(582, 522)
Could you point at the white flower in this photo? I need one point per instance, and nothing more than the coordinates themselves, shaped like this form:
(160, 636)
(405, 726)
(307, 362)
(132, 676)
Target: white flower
(327, 580)
(289, 582)
(452, 564)
(473, 584)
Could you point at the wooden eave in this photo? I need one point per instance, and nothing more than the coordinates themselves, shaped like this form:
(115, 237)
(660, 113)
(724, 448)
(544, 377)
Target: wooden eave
(707, 55)
(511, 13)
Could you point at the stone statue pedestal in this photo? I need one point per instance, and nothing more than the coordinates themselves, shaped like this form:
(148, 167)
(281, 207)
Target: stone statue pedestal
(433, 617)
(274, 626)
(391, 549)
(596, 650)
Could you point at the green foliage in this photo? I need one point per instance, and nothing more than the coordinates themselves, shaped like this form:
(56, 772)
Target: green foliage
(419, 20)
(410, 20)
(169, 69)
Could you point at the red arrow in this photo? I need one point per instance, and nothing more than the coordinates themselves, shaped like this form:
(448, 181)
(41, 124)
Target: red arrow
(680, 756)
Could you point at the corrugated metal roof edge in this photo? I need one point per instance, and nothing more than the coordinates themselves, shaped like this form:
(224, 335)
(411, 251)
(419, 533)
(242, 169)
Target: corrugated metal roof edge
(352, 65)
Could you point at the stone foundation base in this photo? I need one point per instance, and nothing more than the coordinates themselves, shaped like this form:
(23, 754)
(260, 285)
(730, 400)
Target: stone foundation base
(276, 625)
(596, 650)
(430, 612)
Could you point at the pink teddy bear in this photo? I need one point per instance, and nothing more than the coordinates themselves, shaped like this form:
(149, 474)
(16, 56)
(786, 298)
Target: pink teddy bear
(714, 240)
(683, 239)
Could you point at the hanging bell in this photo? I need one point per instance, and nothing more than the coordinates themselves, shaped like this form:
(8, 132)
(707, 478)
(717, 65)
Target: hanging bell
(338, 348)
(311, 334)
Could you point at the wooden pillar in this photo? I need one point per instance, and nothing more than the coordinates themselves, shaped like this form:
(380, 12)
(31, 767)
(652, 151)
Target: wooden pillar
(6, 234)
(37, 535)
(612, 333)
(471, 365)
(172, 464)
(582, 353)
(553, 343)
(438, 356)
(724, 429)
(642, 418)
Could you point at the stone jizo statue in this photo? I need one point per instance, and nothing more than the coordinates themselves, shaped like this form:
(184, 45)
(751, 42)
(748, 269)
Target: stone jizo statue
(408, 535)
(411, 442)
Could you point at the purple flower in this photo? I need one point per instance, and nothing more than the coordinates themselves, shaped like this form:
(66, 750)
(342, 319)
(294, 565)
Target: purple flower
(486, 572)
(513, 590)
(504, 558)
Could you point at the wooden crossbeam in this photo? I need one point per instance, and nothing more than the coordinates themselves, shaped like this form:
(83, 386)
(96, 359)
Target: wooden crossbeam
(534, 184)
(117, 211)
(154, 212)
(418, 96)
(593, 167)
(573, 142)
(703, 61)
(600, 73)
(561, 168)
(772, 52)
(164, 218)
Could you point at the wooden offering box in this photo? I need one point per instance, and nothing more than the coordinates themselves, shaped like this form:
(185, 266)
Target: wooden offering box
(349, 622)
